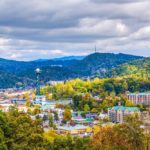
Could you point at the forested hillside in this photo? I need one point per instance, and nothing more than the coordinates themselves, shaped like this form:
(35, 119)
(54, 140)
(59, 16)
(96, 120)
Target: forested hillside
(101, 61)
(140, 68)
(100, 64)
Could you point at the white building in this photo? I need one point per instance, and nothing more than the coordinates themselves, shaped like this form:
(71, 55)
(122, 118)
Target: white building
(118, 113)
(5, 107)
(40, 99)
(55, 82)
(22, 108)
(139, 98)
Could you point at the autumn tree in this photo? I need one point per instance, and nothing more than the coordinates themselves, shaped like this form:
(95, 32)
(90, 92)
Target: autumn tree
(67, 115)
(20, 132)
(126, 136)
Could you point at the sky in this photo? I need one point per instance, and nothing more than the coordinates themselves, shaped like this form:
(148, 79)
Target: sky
(34, 29)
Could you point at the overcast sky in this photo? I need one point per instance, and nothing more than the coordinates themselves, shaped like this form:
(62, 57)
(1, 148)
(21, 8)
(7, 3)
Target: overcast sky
(33, 29)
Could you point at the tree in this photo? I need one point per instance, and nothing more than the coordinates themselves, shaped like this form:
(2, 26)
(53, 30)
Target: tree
(3, 131)
(119, 137)
(19, 131)
(56, 117)
(76, 100)
(36, 109)
(68, 143)
(51, 122)
(45, 117)
(28, 103)
(67, 115)
(104, 105)
(86, 108)
(108, 87)
(3, 145)
(129, 103)
(133, 124)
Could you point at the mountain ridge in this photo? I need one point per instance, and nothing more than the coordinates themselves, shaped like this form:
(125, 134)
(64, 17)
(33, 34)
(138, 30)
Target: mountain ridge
(60, 69)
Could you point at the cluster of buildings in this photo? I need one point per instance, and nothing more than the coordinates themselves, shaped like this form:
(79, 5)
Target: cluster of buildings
(12, 96)
(117, 114)
(6, 104)
(82, 126)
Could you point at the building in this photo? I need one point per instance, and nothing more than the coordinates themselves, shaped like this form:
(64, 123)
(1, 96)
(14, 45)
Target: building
(139, 98)
(118, 113)
(40, 99)
(5, 107)
(79, 130)
(18, 101)
(23, 108)
(103, 116)
(91, 115)
(81, 120)
(55, 82)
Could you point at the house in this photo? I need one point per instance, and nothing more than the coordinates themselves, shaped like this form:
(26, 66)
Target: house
(5, 107)
(91, 115)
(18, 101)
(22, 108)
(74, 130)
(103, 116)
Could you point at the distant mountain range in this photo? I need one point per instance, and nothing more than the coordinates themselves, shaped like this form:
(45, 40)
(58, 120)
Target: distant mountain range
(70, 58)
(18, 72)
(63, 58)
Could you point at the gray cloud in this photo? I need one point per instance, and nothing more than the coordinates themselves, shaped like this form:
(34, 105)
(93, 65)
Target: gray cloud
(55, 28)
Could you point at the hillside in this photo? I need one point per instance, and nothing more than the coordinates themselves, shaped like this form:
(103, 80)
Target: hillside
(100, 62)
(50, 73)
(137, 67)
(13, 72)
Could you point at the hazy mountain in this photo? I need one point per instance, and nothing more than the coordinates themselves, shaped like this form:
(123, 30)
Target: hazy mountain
(62, 58)
(70, 58)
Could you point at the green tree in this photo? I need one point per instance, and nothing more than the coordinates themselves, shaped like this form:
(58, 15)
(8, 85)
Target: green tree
(86, 108)
(51, 120)
(45, 117)
(56, 117)
(20, 131)
(108, 87)
(67, 115)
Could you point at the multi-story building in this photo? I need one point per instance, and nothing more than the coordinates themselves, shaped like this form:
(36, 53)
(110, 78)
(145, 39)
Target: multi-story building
(117, 114)
(139, 98)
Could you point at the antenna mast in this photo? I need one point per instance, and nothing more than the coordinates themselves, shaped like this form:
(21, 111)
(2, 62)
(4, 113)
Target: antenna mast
(95, 49)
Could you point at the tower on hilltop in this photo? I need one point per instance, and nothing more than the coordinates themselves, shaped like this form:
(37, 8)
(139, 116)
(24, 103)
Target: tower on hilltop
(38, 72)
(95, 49)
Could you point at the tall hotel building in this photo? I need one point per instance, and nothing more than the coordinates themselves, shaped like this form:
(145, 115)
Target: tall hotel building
(117, 114)
(139, 98)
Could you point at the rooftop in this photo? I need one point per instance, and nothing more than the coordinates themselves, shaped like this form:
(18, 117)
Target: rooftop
(143, 93)
(123, 108)
(69, 128)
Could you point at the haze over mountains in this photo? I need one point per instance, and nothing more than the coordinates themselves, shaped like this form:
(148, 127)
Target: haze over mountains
(63, 58)
(19, 72)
